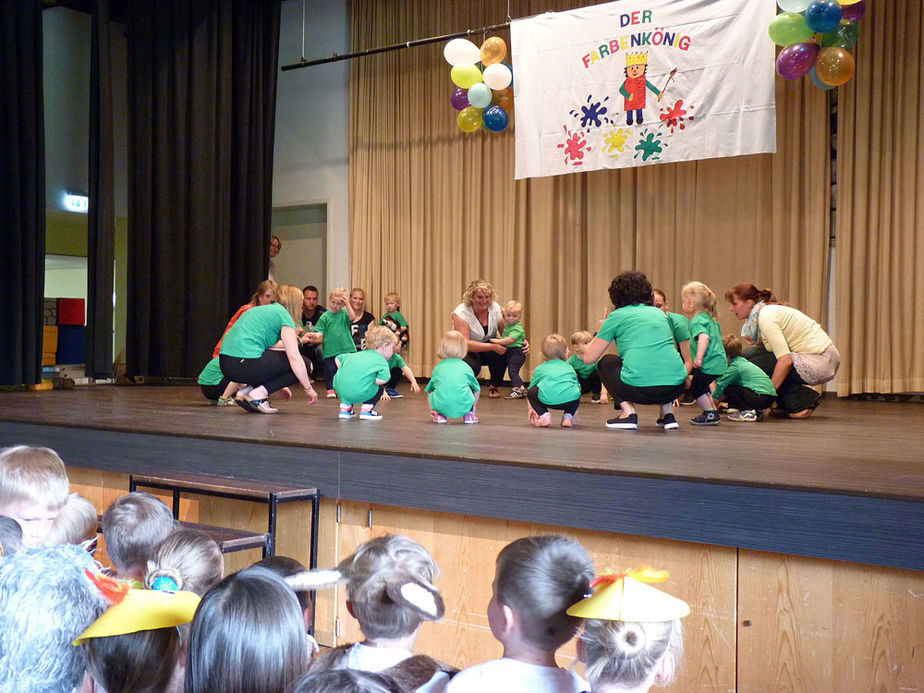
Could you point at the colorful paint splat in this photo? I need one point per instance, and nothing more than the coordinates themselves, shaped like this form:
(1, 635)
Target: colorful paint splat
(673, 116)
(593, 114)
(615, 142)
(575, 146)
(649, 146)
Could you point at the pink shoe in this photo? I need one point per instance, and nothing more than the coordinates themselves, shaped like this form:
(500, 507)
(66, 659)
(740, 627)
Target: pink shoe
(543, 421)
(437, 418)
(567, 420)
(470, 418)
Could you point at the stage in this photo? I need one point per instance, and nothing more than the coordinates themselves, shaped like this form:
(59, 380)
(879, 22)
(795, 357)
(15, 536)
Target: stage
(847, 484)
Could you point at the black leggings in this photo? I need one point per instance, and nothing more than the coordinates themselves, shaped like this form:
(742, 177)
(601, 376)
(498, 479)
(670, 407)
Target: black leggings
(610, 370)
(540, 407)
(496, 363)
(743, 398)
(699, 386)
(590, 384)
(793, 394)
(515, 360)
(213, 392)
(272, 370)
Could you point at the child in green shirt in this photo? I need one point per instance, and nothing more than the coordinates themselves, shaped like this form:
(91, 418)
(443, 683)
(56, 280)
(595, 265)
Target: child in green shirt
(453, 388)
(588, 378)
(744, 385)
(709, 357)
(554, 385)
(395, 322)
(513, 337)
(334, 334)
(361, 376)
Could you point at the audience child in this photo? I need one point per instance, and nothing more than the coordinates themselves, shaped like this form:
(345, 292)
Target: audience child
(77, 523)
(186, 559)
(332, 331)
(588, 378)
(248, 636)
(285, 567)
(513, 337)
(632, 638)
(133, 526)
(10, 536)
(263, 296)
(361, 376)
(394, 320)
(396, 368)
(746, 388)
(135, 646)
(554, 385)
(215, 386)
(536, 580)
(453, 388)
(346, 681)
(709, 361)
(389, 590)
(46, 600)
(33, 489)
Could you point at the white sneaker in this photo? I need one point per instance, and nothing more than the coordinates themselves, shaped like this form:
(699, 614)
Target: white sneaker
(369, 415)
(743, 416)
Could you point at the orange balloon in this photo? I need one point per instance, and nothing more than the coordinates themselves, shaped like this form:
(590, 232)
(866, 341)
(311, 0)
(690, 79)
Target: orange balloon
(504, 99)
(493, 50)
(834, 66)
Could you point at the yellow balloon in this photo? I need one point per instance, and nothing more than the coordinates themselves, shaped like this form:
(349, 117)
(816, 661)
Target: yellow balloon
(847, 2)
(493, 50)
(465, 76)
(469, 119)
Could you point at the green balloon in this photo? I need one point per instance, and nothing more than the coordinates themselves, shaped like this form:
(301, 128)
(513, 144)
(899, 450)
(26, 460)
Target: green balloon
(788, 28)
(844, 36)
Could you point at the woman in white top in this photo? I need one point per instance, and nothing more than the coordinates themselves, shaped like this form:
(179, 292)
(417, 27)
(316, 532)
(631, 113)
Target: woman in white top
(793, 349)
(479, 319)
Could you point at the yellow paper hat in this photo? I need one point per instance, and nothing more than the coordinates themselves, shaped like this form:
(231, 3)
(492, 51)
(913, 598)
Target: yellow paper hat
(135, 610)
(626, 597)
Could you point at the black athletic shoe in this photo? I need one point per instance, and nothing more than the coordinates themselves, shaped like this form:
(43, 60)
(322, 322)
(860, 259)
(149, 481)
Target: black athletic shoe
(627, 423)
(707, 418)
(668, 422)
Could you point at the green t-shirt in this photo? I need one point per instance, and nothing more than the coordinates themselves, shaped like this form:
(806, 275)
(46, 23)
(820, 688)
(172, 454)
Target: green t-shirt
(395, 317)
(355, 379)
(645, 342)
(256, 331)
(557, 382)
(211, 374)
(680, 326)
(338, 339)
(397, 362)
(452, 388)
(714, 362)
(584, 370)
(746, 374)
(516, 331)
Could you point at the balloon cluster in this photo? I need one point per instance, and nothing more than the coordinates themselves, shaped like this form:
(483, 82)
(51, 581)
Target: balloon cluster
(815, 35)
(483, 95)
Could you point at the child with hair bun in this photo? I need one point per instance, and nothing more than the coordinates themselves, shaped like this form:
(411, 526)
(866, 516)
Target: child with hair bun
(453, 388)
(554, 385)
(632, 638)
(709, 359)
(186, 559)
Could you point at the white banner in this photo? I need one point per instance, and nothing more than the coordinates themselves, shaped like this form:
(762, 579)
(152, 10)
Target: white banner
(633, 83)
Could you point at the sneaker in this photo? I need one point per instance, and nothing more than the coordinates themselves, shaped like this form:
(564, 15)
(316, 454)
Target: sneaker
(393, 393)
(470, 418)
(568, 420)
(668, 422)
(746, 415)
(707, 418)
(493, 392)
(595, 399)
(627, 423)
(346, 413)
(331, 394)
(225, 402)
(437, 418)
(687, 399)
(369, 415)
(517, 393)
(543, 421)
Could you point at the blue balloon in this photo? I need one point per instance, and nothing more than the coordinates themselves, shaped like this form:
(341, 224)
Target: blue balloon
(495, 118)
(823, 16)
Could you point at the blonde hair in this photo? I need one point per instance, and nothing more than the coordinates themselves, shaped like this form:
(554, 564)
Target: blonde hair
(190, 558)
(702, 296)
(77, 522)
(391, 295)
(453, 346)
(513, 306)
(554, 347)
(374, 565)
(357, 290)
(261, 289)
(477, 285)
(626, 654)
(581, 337)
(32, 474)
(290, 297)
(340, 293)
(379, 336)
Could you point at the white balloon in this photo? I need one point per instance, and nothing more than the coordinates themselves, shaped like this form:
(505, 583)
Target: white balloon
(461, 51)
(479, 95)
(793, 5)
(497, 76)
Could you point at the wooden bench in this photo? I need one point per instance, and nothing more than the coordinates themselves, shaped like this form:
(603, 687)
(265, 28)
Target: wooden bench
(241, 489)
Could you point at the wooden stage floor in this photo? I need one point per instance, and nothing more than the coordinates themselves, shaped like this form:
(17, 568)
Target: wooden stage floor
(848, 483)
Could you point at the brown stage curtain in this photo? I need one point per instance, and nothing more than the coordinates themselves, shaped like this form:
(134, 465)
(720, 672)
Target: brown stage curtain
(880, 201)
(433, 208)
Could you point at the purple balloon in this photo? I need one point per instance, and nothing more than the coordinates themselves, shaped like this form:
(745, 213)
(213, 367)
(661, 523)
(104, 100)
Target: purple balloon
(796, 60)
(854, 12)
(823, 15)
(459, 99)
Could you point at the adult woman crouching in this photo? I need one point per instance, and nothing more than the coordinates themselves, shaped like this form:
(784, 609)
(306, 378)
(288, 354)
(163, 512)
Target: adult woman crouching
(648, 369)
(791, 348)
(479, 319)
(261, 349)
